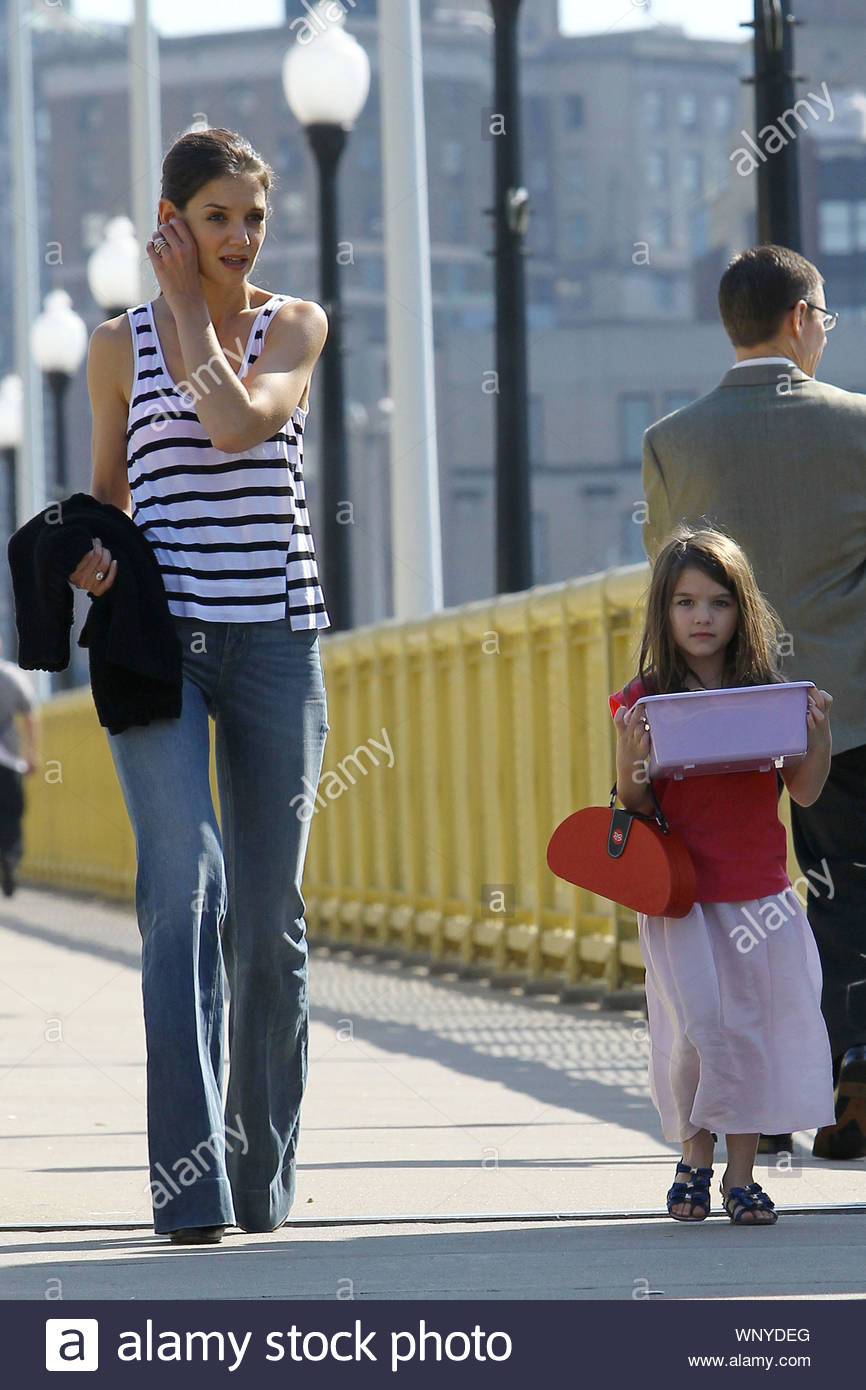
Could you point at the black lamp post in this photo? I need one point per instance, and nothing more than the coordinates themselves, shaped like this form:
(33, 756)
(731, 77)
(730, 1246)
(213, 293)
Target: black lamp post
(58, 342)
(326, 82)
(9, 456)
(327, 143)
(511, 217)
(58, 385)
(778, 173)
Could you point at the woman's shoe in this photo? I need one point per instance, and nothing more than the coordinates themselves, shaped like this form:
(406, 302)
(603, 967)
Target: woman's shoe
(696, 1191)
(197, 1235)
(740, 1200)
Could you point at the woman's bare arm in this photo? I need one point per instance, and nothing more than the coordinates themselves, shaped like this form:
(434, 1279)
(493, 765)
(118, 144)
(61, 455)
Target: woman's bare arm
(108, 374)
(109, 370)
(238, 415)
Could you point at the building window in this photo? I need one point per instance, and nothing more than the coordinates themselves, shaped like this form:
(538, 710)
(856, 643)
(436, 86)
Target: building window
(664, 298)
(635, 416)
(687, 106)
(451, 159)
(723, 112)
(92, 229)
(691, 167)
(699, 233)
(602, 549)
(294, 209)
(537, 118)
(91, 171)
(372, 271)
(541, 289)
(632, 551)
(575, 231)
(660, 231)
(657, 171)
(456, 278)
(675, 400)
(290, 157)
(835, 232)
(368, 150)
(574, 111)
(456, 220)
(242, 100)
(90, 113)
(654, 109)
(575, 173)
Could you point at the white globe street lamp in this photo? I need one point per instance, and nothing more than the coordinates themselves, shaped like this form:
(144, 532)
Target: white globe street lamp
(11, 406)
(326, 79)
(58, 338)
(114, 268)
(58, 342)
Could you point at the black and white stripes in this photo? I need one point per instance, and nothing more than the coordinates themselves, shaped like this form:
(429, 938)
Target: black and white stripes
(231, 532)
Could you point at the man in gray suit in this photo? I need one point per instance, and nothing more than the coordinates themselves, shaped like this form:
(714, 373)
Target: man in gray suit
(778, 460)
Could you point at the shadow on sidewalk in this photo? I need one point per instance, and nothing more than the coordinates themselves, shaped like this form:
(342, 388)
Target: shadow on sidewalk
(618, 1260)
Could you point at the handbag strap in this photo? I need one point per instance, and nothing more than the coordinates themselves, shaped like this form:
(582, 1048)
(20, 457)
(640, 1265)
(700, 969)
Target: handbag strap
(658, 814)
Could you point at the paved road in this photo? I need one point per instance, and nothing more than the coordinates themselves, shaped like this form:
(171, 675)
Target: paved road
(429, 1098)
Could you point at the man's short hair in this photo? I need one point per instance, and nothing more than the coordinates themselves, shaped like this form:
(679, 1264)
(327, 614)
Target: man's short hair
(758, 289)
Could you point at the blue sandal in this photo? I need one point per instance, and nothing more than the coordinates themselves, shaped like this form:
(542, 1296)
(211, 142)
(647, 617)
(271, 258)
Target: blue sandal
(740, 1200)
(696, 1191)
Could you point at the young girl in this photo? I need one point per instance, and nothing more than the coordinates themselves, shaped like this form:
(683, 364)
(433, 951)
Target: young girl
(738, 1043)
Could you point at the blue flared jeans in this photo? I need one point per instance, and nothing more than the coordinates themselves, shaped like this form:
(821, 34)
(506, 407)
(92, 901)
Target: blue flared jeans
(212, 901)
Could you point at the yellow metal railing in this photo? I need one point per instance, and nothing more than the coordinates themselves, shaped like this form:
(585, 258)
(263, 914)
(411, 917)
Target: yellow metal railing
(457, 744)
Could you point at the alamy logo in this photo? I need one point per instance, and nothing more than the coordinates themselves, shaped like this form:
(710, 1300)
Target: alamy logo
(71, 1344)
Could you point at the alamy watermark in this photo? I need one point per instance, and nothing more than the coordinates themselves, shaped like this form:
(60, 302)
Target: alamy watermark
(337, 780)
(774, 137)
(186, 1170)
(770, 910)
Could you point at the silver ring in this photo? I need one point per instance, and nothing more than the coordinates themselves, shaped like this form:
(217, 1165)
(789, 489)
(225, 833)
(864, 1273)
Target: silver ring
(158, 243)
(99, 574)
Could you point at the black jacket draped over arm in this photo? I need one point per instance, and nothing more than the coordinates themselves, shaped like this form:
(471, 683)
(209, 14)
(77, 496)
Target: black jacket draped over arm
(136, 671)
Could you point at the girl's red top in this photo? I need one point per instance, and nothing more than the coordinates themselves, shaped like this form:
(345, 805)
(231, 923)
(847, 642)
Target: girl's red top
(729, 823)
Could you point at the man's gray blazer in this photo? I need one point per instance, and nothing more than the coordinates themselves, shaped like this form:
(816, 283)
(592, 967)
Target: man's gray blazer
(778, 460)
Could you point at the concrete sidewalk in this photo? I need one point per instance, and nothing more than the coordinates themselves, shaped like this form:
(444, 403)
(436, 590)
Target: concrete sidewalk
(428, 1098)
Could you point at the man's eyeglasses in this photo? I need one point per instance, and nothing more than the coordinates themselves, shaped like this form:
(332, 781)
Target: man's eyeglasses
(829, 319)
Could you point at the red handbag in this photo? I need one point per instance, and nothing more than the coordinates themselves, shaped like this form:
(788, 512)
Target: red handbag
(631, 858)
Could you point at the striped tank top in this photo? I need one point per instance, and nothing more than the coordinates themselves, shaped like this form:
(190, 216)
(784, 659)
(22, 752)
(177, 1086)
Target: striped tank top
(231, 532)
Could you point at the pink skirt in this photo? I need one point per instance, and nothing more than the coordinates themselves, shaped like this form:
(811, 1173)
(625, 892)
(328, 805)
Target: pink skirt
(738, 1043)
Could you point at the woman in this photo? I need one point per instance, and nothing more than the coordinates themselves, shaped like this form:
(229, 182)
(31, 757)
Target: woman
(199, 401)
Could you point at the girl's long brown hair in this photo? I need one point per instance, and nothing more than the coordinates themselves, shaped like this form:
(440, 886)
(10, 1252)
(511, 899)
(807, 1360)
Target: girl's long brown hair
(751, 657)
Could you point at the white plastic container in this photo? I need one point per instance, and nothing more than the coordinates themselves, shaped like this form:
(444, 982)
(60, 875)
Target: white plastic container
(744, 729)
